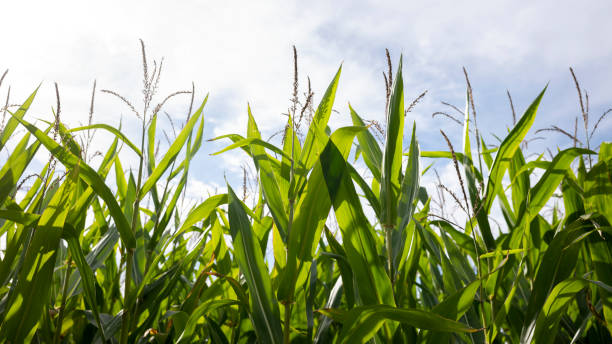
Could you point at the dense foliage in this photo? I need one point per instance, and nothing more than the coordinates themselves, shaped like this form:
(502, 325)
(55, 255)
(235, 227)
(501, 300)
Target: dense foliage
(278, 272)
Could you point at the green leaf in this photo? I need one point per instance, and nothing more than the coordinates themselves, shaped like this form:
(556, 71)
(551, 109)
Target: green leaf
(410, 184)
(361, 323)
(311, 213)
(598, 189)
(600, 249)
(316, 138)
(338, 253)
(203, 210)
(507, 150)
(20, 217)
(555, 266)
(358, 238)
(90, 177)
(472, 176)
(200, 311)
(15, 166)
(32, 288)
(408, 195)
(520, 181)
(172, 152)
(251, 141)
(548, 183)
(554, 308)
(368, 193)
(12, 123)
(151, 144)
(455, 305)
(111, 130)
(372, 155)
(96, 257)
(392, 159)
(247, 252)
(269, 179)
(85, 271)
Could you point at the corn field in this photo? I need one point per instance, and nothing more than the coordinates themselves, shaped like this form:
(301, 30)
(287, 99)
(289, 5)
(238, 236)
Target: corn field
(323, 254)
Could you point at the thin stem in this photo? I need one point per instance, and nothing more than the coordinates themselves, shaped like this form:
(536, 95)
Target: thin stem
(60, 318)
(388, 236)
(292, 112)
(125, 325)
(287, 328)
(470, 216)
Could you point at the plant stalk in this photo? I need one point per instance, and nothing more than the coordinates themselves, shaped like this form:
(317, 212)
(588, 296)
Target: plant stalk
(125, 323)
(287, 328)
(60, 318)
(388, 237)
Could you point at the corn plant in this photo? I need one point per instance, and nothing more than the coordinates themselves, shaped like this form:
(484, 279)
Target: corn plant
(90, 259)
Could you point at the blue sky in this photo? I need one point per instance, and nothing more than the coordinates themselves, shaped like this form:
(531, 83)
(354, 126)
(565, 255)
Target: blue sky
(242, 53)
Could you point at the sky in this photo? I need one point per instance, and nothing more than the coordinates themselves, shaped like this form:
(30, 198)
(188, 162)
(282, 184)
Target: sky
(241, 53)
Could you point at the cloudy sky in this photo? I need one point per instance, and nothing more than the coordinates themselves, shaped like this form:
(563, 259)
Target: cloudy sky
(241, 53)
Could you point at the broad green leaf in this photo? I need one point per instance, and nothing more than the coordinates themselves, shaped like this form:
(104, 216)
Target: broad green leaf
(361, 323)
(363, 185)
(18, 216)
(507, 150)
(392, 158)
(15, 166)
(247, 252)
(555, 266)
(358, 238)
(316, 138)
(455, 305)
(96, 257)
(311, 213)
(502, 311)
(268, 177)
(600, 249)
(520, 181)
(348, 280)
(408, 195)
(12, 123)
(553, 309)
(548, 183)
(598, 189)
(190, 327)
(120, 180)
(203, 210)
(410, 183)
(32, 289)
(151, 144)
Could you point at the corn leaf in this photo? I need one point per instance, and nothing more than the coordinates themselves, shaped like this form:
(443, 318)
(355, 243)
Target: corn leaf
(172, 152)
(507, 150)
(264, 307)
(392, 158)
(91, 177)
